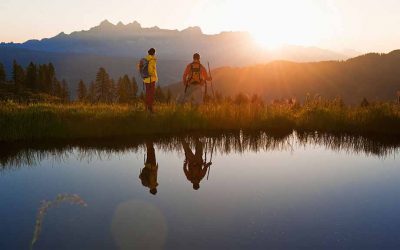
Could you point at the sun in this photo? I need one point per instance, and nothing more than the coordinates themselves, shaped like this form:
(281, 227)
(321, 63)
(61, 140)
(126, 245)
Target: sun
(274, 24)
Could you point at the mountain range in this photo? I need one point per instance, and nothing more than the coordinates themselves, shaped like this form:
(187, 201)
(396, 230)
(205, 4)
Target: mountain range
(119, 47)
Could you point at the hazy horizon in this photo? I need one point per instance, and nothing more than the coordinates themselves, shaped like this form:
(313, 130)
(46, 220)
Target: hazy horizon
(338, 25)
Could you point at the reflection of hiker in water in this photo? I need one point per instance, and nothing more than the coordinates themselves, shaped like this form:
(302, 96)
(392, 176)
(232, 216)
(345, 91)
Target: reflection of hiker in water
(148, 175)
(194, 166)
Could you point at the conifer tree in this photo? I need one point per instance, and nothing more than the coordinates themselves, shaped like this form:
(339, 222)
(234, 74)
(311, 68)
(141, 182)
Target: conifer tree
(41, 78)
(57, 89)
(126, 91)
(82, 91)
(92, 93)
(50, 78)
(102, 85)
(135, 88)
(64, 93)
(18, 75)
(31, 76)
(2, 73)
(112, 92)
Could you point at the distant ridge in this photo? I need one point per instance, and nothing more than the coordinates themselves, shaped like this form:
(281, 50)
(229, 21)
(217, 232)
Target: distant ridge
(132, 40)
(118, 47)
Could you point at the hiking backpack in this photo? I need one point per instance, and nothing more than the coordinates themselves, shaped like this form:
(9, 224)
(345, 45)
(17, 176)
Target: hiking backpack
(144, 68)
(195, 74)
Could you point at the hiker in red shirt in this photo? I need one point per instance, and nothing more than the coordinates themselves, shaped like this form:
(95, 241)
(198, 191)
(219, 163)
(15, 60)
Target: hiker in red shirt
(194, 79)
(194, 167)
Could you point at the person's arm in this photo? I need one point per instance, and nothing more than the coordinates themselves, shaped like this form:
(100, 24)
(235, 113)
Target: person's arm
(185, 75)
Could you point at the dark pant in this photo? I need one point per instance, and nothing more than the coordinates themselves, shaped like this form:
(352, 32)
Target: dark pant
(150, 91)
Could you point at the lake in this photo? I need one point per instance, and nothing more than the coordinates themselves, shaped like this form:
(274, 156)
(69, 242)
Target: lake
(227, 191)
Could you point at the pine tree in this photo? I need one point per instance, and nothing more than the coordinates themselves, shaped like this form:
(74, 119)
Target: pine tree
(126, 90)
(31, 77)
(112, 92)
(102, 85)
(64, 92)
(18, 75)
(57, 89)
(92, 93)
(41, 77)
(2, 73)
(50, 78)
(135, 88)
(82, 91)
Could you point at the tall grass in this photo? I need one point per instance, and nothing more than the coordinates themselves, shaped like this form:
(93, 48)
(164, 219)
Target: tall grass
(74, 121)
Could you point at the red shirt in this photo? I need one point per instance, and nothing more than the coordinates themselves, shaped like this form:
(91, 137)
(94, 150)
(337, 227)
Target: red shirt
(203, 72)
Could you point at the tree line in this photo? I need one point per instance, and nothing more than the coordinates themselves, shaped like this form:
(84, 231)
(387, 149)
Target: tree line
(41, 79)
(36, 78)
(125, 90)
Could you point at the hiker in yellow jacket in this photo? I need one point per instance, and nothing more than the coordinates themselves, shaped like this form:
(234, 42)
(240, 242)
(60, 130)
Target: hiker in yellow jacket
(148, 175)
(151, 79)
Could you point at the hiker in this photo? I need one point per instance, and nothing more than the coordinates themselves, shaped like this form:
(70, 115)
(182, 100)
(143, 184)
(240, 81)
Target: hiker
(194, 167)
(148, 175)
(194, 78)
(148, 72)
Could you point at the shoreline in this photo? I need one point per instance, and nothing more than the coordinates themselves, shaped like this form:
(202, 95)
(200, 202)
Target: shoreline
(42, 121)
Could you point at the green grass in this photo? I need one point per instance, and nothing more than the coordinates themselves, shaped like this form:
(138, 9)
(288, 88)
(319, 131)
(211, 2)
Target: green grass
(76, 121)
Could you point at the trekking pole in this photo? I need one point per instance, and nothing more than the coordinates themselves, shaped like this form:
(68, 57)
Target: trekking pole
(183, 99)
(209, 72)
(205, 93)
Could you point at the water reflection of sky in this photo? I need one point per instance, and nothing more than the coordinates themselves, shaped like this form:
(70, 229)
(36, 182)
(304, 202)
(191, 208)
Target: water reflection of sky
(304, 195)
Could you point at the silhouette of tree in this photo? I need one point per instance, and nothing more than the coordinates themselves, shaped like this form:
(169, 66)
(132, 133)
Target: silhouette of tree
(126, 89)
(64, 92)
(31, 77)
(2, 73)
(50, 78)
(82, 91)
(364, 103)
(92, 93)
(112, 92)
(18, 75)
(57, 89)
(102, 86)
(135, 88)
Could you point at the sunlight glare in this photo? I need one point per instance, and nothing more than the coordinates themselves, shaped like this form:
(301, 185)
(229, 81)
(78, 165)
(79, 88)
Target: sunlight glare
(276, 23)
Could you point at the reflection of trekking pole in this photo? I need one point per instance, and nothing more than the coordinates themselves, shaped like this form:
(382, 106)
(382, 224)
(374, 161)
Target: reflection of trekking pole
(209, 72)
(212, 151)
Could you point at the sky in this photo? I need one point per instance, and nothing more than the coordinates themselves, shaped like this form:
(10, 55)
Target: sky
(361, 25)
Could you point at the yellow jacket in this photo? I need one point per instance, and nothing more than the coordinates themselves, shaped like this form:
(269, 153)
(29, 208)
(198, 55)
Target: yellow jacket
(152, 70)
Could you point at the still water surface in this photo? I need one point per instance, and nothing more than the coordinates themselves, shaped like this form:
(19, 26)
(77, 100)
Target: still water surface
(222, 192)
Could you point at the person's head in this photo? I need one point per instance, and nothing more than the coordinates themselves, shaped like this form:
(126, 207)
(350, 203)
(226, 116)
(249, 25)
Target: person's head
(152, 51)
(153, 191)
(196, 57)
(196, 186)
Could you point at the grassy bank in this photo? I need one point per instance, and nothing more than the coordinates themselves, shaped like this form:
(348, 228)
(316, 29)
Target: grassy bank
(57, 121)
